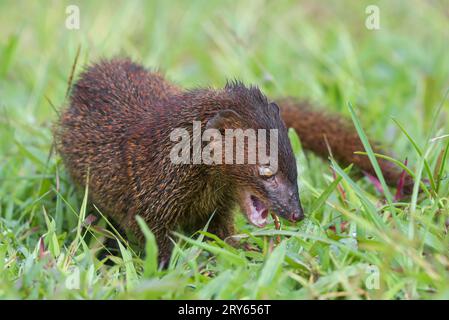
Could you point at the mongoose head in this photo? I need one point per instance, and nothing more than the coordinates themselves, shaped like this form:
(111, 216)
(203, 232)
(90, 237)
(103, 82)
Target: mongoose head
(261, 185)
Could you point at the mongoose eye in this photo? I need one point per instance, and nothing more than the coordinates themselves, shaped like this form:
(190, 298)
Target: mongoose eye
(266, 172)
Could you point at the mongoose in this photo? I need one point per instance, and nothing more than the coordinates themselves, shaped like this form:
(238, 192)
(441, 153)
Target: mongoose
(116, 133)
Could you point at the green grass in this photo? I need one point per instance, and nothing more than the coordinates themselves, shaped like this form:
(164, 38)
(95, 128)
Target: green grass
(355, 242)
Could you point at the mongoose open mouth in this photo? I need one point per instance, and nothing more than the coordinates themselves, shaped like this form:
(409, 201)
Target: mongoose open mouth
(256, 211)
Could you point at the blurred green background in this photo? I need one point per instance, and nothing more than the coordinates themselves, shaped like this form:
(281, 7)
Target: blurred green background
(320, 51)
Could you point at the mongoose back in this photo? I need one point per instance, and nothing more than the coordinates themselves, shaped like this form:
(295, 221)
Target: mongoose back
(115, 134)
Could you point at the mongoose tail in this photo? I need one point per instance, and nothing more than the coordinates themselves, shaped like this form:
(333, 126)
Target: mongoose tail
(314, 127)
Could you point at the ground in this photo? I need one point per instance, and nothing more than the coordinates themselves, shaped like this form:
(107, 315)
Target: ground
(357, 241)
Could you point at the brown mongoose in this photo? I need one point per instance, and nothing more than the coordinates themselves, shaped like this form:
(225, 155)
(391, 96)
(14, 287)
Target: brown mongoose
(116, 133)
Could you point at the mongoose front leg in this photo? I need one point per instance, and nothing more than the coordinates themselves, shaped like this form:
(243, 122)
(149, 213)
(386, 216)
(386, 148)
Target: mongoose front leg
(165, 247)
(163, 241)
(222, 225)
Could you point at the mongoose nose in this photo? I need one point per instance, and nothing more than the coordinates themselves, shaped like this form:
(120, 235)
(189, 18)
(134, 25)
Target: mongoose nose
(298, 214)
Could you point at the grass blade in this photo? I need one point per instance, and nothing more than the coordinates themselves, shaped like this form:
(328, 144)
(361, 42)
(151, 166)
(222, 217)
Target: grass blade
(371, 155)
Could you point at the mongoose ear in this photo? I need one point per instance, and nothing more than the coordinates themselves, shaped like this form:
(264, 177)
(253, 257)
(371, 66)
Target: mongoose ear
(224, 119)
(275, 107)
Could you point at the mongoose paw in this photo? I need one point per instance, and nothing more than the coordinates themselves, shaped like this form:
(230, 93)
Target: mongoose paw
(236, 243)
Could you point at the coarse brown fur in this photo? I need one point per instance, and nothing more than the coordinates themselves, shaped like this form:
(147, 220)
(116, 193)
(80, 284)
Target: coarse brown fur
(116, 135)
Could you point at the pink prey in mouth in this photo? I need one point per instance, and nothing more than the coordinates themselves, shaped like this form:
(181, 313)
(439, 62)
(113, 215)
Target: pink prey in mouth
(256, 210)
